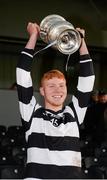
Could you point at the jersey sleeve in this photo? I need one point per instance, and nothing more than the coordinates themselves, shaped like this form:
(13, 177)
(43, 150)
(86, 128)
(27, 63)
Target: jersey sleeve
(84, 87)
(26, 98)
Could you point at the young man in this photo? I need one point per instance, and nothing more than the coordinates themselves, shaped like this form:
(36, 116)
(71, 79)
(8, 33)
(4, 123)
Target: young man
(52, 132)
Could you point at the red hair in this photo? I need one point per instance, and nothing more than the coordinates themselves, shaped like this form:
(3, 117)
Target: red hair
(51, 74)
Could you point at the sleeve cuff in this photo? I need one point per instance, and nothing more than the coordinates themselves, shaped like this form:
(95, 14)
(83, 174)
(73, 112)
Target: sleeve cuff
(30, 51)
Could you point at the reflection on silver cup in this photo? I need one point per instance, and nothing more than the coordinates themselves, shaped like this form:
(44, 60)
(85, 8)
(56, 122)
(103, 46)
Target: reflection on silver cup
(55, 28)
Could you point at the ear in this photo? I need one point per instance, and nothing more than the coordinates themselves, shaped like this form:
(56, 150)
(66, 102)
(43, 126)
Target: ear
(41, 91)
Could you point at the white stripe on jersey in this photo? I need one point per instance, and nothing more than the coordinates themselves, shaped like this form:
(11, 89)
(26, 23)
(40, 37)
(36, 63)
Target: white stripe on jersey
(23, 52)
(80, 111)
(83, 86)
(39, 125)
(59, 158)
(69, 110)
(84, 61)
(27, 109)
(31, 179)
(22, 76)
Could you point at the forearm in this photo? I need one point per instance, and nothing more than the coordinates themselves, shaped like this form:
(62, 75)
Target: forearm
(33, 31)
(85, 80)
(31, 42)
(23, 74)
(83, 48)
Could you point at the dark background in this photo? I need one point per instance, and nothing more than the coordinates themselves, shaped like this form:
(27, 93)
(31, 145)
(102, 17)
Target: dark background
(14, 17)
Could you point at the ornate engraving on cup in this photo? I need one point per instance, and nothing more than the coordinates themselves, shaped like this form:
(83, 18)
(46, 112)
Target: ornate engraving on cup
(55, 28)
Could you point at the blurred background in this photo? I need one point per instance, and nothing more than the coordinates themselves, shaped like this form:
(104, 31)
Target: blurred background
(14, 17)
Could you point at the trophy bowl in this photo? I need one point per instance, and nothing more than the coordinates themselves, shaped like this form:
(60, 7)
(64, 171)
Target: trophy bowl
(55, 30)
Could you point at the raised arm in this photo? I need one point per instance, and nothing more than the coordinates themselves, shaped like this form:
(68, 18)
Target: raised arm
(23, 74)
(83, 48)
(33, 31)
(85, 80)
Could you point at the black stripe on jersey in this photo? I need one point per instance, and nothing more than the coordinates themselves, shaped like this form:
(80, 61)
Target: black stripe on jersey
(84, 57)
(34, 170)
(42, 113)
(73, 108)
(25, 124)
(25, 61)
(86, 69)
(25, 94)
(53, 143)
(83, 98)
(26, 64)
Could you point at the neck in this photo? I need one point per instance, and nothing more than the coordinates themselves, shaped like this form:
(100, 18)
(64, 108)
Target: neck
(53, 107)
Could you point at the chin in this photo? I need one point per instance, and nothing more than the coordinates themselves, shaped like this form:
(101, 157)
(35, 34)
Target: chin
(58, 103)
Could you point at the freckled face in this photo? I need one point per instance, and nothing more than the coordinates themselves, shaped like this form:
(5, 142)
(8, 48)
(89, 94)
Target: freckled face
(54, 91)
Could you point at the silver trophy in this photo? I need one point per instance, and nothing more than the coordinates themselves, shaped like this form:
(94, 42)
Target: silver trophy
(55, 30)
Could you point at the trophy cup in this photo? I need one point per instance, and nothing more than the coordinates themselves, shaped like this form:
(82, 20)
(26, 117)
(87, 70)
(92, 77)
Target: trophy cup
(55, 30)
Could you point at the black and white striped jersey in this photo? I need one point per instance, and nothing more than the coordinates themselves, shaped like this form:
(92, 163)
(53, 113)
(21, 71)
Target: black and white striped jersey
(53, 150)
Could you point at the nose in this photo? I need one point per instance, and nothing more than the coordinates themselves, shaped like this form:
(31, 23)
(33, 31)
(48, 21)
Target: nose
(57, 88)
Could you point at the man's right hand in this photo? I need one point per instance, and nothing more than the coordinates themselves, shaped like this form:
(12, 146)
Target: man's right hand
(33, 28)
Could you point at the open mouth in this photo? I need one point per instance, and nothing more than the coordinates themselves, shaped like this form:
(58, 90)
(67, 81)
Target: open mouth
(57, 96)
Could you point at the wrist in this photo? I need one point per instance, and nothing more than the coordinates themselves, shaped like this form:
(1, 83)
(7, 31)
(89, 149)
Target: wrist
(81, 35)
(83, 48)
(32, 41)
